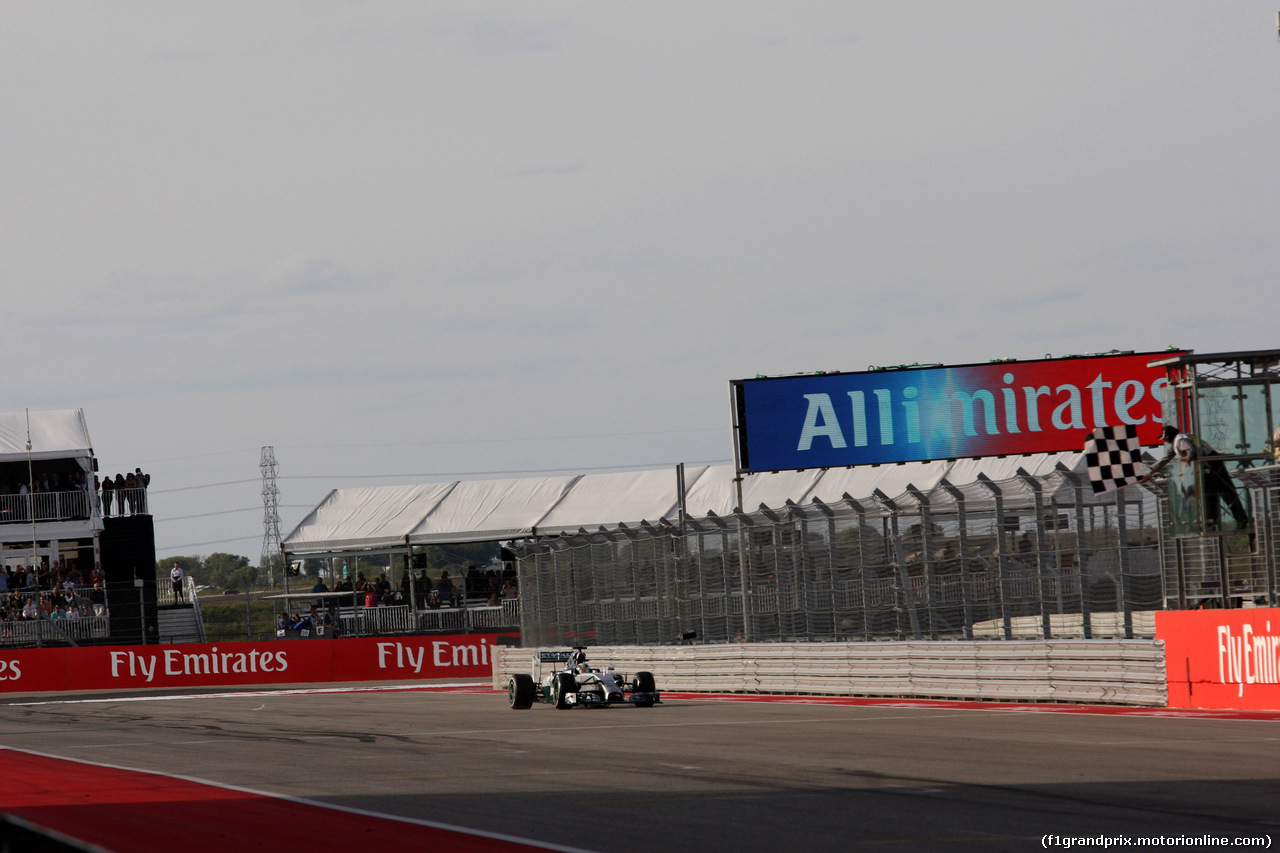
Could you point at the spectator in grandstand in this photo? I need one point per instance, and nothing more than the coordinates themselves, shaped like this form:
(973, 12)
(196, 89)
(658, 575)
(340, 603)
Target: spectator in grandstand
(31, 610)
(143, 480)
(445, 589)
(333, 620)
(4, 578)
(108, 489)
(131, 492)
(98, 599)
(119, 484)
(509, 590)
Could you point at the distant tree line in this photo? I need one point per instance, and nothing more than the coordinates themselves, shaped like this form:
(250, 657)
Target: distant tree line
(219, 571)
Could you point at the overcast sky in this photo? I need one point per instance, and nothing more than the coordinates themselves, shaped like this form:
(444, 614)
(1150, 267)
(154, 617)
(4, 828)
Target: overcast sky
(450, 240)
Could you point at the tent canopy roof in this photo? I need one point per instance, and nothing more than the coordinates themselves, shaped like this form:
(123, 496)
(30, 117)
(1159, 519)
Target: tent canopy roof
(54, 435)
(390, 518)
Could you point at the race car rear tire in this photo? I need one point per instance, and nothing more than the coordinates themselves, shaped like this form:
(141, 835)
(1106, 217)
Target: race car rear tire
(564, 685)
(644, 682)
(520, 691)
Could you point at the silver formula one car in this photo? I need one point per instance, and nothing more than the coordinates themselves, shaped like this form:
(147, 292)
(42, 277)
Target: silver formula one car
(573, 683)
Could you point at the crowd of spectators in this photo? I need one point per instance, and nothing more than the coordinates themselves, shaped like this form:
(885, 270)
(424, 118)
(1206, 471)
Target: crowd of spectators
(43, 494)
(474, 587)
(492, 585)
(124, 491)
(329, 620)
(54, 593)
(49, 481)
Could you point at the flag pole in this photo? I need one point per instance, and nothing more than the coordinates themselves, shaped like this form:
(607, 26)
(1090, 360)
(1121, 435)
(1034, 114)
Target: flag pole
(31, 496)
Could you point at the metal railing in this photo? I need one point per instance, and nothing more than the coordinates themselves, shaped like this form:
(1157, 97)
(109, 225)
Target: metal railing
(44, 506)
(396, 619)
(125, 502)
(20, 633)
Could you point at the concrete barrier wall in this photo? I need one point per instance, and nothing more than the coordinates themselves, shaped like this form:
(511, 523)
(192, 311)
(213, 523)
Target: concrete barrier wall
(1128, 672)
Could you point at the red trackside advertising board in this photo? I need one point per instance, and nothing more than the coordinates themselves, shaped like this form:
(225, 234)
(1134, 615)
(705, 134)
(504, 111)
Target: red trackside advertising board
(226, 664)
(1222, 658)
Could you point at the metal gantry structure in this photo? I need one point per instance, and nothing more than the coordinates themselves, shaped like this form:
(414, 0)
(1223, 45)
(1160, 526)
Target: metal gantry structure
(270, 512)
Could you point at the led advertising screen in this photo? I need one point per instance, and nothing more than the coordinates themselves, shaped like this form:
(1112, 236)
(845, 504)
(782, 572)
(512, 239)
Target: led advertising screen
(917, 414)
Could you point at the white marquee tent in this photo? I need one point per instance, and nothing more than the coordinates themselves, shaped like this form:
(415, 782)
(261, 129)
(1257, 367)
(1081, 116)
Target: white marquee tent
(391, 518)
(54, 435)
(60, 435)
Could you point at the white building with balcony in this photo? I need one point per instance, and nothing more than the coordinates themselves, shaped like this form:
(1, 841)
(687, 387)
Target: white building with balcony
(49, 510)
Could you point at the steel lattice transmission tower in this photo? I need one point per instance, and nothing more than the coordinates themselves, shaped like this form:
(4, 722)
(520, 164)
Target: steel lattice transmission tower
(270, 513)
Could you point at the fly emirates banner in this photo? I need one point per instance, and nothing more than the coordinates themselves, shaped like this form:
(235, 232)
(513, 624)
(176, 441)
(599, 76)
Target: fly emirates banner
(218, 664)
(1222, 658)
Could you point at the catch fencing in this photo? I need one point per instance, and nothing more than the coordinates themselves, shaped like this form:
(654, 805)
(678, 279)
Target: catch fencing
(1026, 558)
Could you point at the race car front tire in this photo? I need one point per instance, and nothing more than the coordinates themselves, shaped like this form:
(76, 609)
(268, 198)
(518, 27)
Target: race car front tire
(644, 683)
(565, 684)
(520, 691)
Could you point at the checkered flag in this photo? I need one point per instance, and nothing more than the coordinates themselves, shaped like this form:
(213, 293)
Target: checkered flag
(1113, 457)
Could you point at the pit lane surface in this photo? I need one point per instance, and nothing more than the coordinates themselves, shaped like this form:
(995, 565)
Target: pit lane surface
(694, 774)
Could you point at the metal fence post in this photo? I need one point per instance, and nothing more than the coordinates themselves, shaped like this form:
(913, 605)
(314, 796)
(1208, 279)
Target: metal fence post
(1002, 554)
(1038, 501)
(1122, 564)
(904, 580)
(966, 583)
(926, 554)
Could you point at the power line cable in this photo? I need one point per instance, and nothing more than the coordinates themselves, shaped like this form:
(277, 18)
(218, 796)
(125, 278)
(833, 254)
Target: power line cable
(171, 548)
(441, 443)
(438, 474)
(228, 512)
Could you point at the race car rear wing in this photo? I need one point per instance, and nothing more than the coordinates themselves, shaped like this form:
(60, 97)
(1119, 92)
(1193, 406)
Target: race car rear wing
(555, 657)
(549, 657)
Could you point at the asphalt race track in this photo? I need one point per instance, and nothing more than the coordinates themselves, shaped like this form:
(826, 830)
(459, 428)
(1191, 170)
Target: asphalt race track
(694, 774)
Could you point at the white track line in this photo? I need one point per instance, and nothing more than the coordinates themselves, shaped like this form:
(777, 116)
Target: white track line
(302, 691)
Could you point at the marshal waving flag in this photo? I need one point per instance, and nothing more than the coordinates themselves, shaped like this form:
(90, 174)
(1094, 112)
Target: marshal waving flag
(1113, 456)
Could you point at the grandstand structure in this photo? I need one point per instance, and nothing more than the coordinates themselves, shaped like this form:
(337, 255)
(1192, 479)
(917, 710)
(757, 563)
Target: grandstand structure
(62, 522)
(53, 520)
